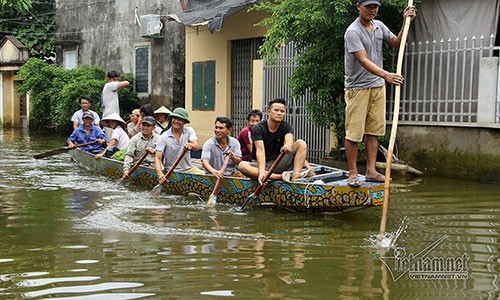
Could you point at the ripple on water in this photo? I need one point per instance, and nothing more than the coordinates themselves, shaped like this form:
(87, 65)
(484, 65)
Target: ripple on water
(46, 281)
(221, 293)
(80, 289)
(87, 261)
(75, 247)
(110, 296)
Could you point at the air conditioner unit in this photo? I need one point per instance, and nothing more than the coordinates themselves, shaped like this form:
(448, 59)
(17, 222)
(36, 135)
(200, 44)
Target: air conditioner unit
(151, 26)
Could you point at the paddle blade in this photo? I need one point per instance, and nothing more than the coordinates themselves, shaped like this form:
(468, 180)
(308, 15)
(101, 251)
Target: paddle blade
(248, 200)
(212, 200)
(51, 152)
(156, 190)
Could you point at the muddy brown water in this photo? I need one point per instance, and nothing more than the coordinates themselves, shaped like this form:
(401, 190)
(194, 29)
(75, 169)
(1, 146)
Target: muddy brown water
(66, 233)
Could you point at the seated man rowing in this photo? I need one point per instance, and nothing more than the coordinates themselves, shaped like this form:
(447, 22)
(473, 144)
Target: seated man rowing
(88, 132)
(217, 147)
(171, 144)
(270, 137)
(144, 141)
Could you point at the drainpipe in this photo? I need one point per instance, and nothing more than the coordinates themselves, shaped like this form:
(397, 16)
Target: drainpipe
(183, 5)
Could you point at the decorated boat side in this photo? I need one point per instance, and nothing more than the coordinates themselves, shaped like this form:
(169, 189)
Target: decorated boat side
(327, 191)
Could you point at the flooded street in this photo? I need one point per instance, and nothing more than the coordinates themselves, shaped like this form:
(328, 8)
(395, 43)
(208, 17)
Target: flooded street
(67, 233)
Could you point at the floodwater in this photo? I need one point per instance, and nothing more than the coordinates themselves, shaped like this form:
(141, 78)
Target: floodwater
(66, 233)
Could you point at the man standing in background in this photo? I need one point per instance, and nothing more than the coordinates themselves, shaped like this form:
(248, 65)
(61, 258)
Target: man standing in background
(110, 102)
(77, 119)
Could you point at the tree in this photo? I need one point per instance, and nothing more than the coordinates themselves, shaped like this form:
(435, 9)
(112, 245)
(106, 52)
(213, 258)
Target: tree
(18, 5)
(32, 23)
(317, 27)
(55, 92)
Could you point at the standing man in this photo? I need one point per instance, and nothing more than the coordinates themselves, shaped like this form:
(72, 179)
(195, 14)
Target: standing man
(84, 102)
(365, 85)
(110, 102)
(218, 146)
(245, 135)
(270, 137)
(171, 143)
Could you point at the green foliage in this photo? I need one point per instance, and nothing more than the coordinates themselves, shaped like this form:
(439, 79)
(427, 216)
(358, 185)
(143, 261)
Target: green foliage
(18, 5)
(33, 24)
(55, 92)
(317, 27)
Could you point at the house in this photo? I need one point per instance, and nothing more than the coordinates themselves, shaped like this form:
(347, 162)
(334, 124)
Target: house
(130, 36)
(14, 110)
(225, 76)
(221, 50)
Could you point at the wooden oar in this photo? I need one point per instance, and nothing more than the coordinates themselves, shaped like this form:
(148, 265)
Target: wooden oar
(132, 170)
(260, 186)
(157, 189)
(212, 200)
(395, 119)
(61, 150)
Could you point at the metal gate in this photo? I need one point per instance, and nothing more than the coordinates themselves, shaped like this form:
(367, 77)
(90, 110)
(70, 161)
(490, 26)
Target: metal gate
(243, 52)
(275, 86)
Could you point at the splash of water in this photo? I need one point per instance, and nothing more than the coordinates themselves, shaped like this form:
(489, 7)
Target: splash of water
(388, 239)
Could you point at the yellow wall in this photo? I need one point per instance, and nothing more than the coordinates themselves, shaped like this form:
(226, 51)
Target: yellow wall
(8, 107)
(9, 52)
(11, 102)
(201, 45)
(258, 83)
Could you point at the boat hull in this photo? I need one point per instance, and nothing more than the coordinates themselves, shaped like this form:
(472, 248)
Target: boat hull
(309, 196)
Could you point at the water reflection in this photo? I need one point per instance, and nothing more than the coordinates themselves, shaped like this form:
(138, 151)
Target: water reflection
(69, 234)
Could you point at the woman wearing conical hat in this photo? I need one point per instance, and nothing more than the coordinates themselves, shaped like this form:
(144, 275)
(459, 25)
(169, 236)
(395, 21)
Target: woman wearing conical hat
(119, 137)
(161, 115)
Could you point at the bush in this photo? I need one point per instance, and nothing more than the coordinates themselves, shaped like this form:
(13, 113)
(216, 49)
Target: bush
(55, 92)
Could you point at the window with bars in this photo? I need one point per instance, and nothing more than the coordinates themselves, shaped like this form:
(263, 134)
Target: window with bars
(204, 85)
(142, 70)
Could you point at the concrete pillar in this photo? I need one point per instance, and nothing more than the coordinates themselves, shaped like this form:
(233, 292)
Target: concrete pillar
(487, 90)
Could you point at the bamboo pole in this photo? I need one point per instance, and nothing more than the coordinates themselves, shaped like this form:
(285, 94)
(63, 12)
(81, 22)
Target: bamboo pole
(395, 119)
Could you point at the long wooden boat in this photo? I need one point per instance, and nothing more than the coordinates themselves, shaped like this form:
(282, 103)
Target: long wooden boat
(325, 192)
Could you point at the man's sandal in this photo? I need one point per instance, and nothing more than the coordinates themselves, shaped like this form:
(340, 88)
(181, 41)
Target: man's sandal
(354, 181)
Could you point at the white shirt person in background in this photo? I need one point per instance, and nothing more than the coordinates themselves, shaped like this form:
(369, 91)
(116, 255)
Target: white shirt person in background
(110, 102)
(84, 102)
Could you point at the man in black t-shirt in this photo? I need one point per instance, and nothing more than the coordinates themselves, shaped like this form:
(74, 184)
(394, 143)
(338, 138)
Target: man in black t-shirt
(270, 137)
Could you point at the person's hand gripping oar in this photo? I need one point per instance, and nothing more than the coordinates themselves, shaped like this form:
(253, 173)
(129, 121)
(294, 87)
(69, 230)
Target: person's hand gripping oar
(212, 200)
(260, 186)
(126, 175)
(157, 189)
(62, 150)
